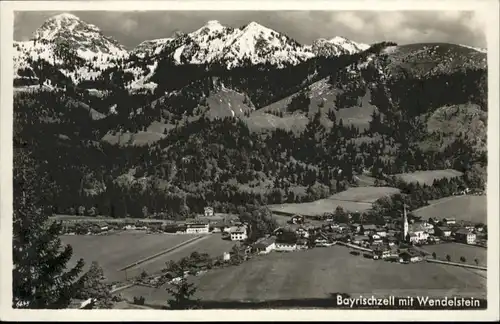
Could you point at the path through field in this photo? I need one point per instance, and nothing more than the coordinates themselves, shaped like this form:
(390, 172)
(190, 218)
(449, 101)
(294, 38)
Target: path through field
(114, 252)
(212, 244)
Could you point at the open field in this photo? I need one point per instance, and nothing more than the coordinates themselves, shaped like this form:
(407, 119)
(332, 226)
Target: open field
(114, 252)
(459, 250)
(462, 208)
(212, 244)
(354, 199)
(428, 177)
(320, 272)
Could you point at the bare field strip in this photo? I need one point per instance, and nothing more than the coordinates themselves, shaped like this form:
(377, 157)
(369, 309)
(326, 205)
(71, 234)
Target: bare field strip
(319, 273)
(114, 252)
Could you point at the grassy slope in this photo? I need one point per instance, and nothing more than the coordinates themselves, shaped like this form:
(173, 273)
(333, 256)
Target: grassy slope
(468, 208)
(322, 94)
(320, 272)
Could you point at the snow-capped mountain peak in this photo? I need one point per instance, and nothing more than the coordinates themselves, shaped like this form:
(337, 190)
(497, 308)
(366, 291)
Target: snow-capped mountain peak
(255, 26)
(336, 46)
(78, 34)
(78, 49)
(212, 27)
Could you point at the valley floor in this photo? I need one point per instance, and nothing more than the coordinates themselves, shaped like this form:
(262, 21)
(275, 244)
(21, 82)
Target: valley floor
(321, 272)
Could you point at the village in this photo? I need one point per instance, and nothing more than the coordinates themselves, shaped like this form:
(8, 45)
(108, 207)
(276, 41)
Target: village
(396, 240)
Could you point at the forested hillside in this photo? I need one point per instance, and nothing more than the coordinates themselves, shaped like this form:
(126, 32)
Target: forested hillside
(256, 133)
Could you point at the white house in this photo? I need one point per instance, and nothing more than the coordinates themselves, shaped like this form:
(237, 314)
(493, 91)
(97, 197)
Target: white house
(238, 233)
(418, 232)
(465, 236)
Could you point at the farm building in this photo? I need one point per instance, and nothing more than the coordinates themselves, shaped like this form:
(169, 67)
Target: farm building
(286, 241)
(265, 245)
(197, 228)
(443, 231)
(238, 233)
(465, 236)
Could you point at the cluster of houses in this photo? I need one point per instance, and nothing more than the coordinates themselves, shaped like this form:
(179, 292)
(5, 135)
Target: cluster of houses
(391, 241)
(297, 235)
(462, 232)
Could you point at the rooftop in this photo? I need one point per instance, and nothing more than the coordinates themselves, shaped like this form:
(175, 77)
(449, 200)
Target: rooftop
(264, 242)
(237, 229)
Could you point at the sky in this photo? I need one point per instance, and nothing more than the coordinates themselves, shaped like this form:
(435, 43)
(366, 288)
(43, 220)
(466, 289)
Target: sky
(403, 27)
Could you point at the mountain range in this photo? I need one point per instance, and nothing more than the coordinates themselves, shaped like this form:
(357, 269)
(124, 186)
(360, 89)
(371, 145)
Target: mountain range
(223, 115)
(213, 43)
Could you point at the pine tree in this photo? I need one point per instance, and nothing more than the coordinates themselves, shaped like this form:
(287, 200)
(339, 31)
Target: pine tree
(182, 291)
(39, 276)
(90, 285)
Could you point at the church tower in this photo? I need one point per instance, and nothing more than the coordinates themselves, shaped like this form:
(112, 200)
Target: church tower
(405, 223)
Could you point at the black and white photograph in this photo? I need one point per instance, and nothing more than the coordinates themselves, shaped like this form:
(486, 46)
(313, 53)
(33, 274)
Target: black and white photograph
(203, 159)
